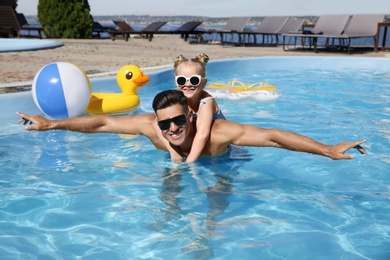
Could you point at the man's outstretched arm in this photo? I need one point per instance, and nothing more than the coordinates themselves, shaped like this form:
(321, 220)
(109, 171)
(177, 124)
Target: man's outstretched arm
(89, 124)
(295, 142)
(249, 135)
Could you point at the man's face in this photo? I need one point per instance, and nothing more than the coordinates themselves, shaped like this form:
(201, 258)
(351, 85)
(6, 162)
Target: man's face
(175, 123)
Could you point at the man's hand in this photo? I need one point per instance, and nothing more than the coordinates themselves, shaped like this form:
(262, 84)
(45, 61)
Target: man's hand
(337, 152)
(36, 122)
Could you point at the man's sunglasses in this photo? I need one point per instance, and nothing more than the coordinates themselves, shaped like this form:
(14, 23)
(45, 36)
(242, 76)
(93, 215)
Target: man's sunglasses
(177, 120)
(194, 80)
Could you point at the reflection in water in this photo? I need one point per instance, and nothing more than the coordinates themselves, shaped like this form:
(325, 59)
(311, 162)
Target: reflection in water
(218, 200)
(217, 197)
(170, 189)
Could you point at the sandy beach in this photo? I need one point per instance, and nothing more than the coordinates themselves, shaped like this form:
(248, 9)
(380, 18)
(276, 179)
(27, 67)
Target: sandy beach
(104, 57)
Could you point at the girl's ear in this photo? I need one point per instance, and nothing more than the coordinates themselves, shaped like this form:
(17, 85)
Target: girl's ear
(205, 82)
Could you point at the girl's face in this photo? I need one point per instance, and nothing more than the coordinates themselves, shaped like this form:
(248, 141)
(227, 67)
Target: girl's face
(190, 80)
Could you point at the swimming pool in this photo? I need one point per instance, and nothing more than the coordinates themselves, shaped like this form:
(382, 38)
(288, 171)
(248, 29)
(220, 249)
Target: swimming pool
(11, 45)
(69, 195)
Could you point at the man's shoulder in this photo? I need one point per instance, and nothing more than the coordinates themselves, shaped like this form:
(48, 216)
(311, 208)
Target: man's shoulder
(141, 118)
(137, 124)
(222, 123)
(221, 136)
(226, 130)
(147, 121)
(221, 126)
(147, 117)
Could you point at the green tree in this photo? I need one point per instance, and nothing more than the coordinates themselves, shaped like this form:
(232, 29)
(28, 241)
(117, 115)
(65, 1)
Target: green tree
(68, 18)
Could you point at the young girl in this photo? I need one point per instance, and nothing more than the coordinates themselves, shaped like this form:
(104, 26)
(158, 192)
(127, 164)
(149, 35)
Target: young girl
(191, 79)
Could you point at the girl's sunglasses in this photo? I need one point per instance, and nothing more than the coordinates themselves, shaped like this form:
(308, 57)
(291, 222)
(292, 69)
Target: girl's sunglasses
(177, 120)
(194, 80)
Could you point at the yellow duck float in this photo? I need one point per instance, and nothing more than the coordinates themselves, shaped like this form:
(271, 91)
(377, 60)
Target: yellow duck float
(129, 78)
(236, 90)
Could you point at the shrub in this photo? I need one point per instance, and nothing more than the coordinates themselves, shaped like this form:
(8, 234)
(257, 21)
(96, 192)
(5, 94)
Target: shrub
(67, 18)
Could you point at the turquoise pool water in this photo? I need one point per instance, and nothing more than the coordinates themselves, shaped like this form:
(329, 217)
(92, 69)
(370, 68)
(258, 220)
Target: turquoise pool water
(69, 195)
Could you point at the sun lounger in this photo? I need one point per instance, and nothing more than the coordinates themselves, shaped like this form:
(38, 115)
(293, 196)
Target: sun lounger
(98, 29)
(234, 25)
(187, 29)
(361, 26)
(125, 30)
(29, 28)
(152, 29)
(9, 25)
(12, 23)
(327, 26)
(292, 25)
(270, 26)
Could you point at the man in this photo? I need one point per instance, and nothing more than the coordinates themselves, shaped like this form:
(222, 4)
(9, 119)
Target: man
(177, 126)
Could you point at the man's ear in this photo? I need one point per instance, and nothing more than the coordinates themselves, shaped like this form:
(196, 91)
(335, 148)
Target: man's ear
(190, 116)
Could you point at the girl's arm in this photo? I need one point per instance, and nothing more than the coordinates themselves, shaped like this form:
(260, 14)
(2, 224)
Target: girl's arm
(176, 156)
(203, 127)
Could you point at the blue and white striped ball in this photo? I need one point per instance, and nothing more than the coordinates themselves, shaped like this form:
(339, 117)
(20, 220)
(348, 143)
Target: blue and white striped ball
(61, 90)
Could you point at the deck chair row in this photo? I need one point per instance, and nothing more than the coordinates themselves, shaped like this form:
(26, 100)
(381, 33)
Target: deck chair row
(272, 27)
(342, 28)
(124, 30)
(269, 30)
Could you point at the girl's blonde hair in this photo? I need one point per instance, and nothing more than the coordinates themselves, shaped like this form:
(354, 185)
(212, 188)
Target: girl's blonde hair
(200, 60)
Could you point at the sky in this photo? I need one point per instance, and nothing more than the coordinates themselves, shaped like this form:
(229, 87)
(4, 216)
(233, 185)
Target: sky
(226, 8)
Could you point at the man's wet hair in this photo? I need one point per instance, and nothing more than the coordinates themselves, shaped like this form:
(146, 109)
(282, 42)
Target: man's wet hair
(168, 98)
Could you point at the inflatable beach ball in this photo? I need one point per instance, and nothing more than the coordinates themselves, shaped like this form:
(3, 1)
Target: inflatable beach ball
(61, 90)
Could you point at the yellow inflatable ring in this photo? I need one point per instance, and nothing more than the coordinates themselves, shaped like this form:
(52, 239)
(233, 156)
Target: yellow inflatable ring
(238, 86)
(237, 90)
(129, 78)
